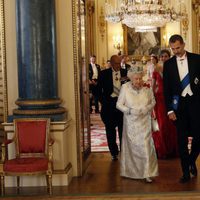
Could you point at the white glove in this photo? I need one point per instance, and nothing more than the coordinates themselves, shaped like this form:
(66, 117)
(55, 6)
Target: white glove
(135, 111)
(144, 111)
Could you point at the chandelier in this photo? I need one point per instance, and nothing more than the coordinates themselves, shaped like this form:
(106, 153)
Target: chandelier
(144, 15)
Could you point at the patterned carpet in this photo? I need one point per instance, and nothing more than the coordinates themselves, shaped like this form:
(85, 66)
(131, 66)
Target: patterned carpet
(98, 134)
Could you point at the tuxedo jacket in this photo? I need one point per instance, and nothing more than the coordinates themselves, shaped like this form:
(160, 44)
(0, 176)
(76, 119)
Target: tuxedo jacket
(105, 88)
(105, 83)
(91, 70)
(171, 78)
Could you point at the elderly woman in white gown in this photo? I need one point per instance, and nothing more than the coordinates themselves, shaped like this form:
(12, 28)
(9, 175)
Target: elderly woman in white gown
(136, 101)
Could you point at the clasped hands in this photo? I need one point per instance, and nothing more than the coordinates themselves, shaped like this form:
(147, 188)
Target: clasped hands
(137, 111)
(141, 111)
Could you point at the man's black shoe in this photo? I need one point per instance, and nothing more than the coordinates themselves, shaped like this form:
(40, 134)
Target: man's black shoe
(114, 158)
(193, 170)
(184, 179)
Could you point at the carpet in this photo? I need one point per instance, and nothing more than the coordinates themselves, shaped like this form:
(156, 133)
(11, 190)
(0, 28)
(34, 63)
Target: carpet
(98, 134)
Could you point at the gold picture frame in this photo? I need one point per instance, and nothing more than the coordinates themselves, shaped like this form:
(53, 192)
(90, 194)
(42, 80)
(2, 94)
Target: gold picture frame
(137, 44)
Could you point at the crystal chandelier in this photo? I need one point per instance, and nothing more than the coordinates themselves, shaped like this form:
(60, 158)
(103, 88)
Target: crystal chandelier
(144, 15)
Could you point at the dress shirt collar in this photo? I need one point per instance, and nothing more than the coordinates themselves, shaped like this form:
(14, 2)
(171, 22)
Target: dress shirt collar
(123, 66)
(183, 57)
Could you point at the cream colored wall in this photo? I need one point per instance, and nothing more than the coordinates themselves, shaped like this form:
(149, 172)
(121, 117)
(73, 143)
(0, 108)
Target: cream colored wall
(172, 28)
(11, 54)
(65, 62)
(101, 40)
(189, 34)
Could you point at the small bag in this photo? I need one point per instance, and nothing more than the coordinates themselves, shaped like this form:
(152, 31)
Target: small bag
(154, 125)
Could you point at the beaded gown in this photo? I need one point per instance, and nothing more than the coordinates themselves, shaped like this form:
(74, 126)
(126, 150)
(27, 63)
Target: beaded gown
(138, 156)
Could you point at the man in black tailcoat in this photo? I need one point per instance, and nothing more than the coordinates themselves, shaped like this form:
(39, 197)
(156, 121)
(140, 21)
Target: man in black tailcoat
(181, 77)
(94, 71)
(109, 84)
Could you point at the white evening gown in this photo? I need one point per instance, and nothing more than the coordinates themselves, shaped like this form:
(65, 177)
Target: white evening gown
(138, 156)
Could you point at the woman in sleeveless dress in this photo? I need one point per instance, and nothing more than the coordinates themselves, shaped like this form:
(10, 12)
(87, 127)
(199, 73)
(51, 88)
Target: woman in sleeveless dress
(166, 138)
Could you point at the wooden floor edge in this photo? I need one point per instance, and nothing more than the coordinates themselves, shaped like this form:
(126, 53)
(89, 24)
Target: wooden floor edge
(63, 171)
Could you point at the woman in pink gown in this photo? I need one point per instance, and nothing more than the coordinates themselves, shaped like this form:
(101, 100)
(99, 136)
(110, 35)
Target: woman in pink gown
(166, 138)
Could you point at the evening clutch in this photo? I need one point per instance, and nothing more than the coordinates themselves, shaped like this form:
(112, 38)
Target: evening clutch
(154, 124)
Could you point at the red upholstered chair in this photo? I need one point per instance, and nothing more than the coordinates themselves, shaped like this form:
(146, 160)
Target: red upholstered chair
(33, 147)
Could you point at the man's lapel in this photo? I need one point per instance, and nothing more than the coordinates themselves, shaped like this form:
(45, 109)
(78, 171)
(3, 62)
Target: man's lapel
(110, 78)
(190, 65)
(175, 71)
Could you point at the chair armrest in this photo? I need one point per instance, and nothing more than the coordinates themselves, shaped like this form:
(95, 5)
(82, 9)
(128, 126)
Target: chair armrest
(7, 141)
(3, 148)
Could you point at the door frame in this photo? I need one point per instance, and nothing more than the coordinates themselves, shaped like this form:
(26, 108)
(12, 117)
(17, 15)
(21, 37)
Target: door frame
(81, 89)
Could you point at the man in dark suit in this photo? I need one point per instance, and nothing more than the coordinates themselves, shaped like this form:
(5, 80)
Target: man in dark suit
(94, 71)
(181, 77)
(109, 84)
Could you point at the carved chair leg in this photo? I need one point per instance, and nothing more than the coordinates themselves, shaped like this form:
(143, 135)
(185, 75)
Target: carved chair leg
(2, 185)
(18, 184)
(47, 180)
(49, 183)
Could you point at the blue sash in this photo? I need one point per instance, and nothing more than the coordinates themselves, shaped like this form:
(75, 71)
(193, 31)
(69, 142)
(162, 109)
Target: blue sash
(185, 82)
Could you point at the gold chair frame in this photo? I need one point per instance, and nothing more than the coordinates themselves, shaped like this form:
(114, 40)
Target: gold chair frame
(48, 153)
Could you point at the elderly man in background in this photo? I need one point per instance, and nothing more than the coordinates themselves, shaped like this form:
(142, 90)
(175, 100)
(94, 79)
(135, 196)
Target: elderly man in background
(109, 84)
(94, 71)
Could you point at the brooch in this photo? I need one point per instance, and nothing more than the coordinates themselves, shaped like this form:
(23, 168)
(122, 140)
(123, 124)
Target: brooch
(175, 101)
(196, 80)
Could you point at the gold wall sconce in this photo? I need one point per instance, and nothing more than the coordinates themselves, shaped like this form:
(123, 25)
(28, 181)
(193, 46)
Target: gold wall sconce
(117, 43)
(166, 37)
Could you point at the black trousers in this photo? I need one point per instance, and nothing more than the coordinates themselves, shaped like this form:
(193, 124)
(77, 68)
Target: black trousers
(94, 96)
(188, 124)
(96, 102)
(113, 120)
